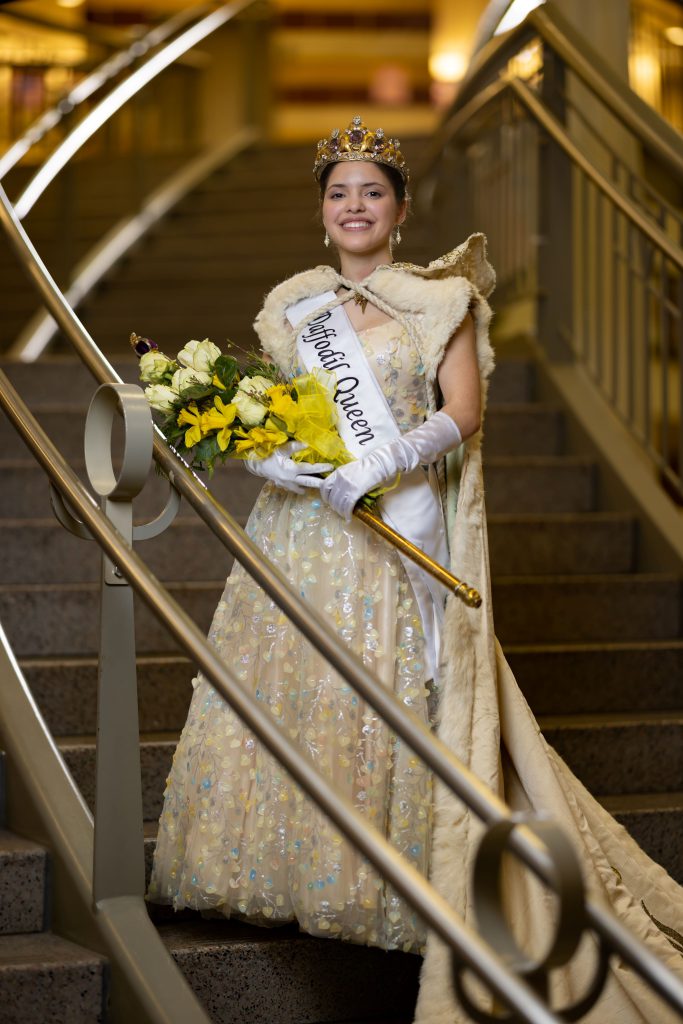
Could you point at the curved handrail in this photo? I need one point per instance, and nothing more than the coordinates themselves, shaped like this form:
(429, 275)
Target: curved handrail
(120, 95)
(542, 115)
(41, 328)
(89, 85)
(406, 879)
(548, 22)
(313, 627)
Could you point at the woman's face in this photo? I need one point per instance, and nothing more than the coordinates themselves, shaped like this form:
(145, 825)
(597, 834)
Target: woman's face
(359, 207)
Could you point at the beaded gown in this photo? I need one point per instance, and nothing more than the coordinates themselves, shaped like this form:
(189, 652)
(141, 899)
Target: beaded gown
(236, 835)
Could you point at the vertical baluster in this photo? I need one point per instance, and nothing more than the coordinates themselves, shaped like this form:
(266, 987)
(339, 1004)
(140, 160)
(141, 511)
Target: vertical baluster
(616, 318)
(664, 322)
(649, 300)
(630, 348)
(600, 279)
(679, 378)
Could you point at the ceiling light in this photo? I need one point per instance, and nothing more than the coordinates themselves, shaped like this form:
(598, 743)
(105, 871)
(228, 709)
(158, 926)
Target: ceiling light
(674, 34)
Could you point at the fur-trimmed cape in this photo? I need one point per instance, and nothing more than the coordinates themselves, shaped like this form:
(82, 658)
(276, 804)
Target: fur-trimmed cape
(483, 716)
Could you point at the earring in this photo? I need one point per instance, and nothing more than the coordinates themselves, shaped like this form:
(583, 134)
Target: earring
(397, 234)
(326, 239)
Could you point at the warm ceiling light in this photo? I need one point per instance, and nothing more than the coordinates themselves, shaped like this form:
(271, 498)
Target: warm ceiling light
(516, 13)
(70, 3)
(674, 34)
(447, 66)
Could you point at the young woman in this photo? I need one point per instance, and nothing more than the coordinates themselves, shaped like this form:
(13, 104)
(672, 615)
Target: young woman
(409, 346)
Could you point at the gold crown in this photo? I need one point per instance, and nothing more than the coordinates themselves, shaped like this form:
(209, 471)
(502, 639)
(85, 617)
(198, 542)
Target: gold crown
(359, 143)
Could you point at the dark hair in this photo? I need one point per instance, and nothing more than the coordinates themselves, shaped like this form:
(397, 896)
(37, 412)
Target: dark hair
(394, 177)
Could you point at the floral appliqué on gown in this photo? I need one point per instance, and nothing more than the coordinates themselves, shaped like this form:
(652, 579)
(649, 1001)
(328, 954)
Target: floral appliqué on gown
(236, 835)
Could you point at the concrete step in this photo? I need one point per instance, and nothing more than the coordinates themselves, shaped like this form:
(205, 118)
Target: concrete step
(262, 975)
(599, 677)
(24, 490)
(552, 484)
(42, 551)
(615, 754)
(598, 542)
(46, 979)
(513, 381)
(64, 619)
(523, 429)
(555, 679)
(66, 692)
(22, 885)
(655, 821)
(556, 609)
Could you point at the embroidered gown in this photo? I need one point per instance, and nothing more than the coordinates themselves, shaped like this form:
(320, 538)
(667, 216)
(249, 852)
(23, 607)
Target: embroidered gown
(236, 834)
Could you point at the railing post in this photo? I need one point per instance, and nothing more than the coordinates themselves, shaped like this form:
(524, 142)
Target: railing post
(555, 216)
(119, 866)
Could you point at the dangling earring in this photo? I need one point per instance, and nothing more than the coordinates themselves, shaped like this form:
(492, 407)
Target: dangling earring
(326, 239)
(397, 235)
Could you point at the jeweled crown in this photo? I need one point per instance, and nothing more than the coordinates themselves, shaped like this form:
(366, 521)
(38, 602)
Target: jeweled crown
(359, 143)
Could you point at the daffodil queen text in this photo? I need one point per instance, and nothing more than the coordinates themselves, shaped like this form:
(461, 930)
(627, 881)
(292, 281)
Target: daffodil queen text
(322, 335)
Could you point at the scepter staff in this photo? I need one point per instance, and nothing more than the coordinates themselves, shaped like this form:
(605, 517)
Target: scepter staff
(467, 594)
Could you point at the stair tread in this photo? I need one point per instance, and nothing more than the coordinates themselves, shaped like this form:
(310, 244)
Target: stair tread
(611, 720)
(44, 950)
(639, 803)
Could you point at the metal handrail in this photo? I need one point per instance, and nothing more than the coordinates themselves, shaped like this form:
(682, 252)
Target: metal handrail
(41, 328)
(89, 85)
(310, 623)
(215, 19)
(471, 950)
(548, 22)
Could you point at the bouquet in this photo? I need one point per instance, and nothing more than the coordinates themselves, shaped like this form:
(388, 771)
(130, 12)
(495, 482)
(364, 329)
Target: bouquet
(211, 410)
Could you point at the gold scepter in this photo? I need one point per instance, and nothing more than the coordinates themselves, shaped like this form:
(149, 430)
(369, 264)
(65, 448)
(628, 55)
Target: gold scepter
(470, 596)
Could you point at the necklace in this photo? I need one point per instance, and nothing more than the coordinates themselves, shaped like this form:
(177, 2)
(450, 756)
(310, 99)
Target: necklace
(360, 300)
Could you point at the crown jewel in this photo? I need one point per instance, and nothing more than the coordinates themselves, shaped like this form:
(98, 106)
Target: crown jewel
(359, 143)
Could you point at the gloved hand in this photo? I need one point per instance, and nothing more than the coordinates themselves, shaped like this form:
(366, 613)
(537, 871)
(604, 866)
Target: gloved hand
(283, 471)
(425, 444)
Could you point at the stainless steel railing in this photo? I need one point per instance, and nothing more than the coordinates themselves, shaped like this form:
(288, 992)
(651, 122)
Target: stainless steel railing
(523, 842)
(597, 251)
(471, 952)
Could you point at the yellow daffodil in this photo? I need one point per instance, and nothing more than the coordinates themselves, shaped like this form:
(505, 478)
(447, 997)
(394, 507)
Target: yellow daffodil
(192, 416)
(217, 382)
(219, 418)
(261, 441)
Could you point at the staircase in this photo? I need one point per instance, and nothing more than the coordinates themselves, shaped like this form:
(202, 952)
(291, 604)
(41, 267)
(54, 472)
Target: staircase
(595, 644)
(43, 978)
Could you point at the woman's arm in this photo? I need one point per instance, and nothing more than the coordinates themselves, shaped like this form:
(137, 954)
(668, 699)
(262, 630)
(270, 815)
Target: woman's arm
(458, 377)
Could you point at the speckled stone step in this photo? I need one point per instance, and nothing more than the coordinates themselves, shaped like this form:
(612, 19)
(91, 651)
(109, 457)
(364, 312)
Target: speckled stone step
(621, 754)
(66, 692)
(598, 542)
(156, 754)
(552, 609)
(599, 677)
(46, 980)
(655, 820)
(266, 975)
(22, 884)
(542, 484)
(63, 619)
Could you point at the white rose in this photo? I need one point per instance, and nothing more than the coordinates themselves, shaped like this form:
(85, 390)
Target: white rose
(187, 378)
(200, 355)
(249, 409)
(153, 366)
(161, 397)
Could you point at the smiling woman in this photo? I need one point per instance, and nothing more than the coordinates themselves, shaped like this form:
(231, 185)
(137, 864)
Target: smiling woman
(410, 350)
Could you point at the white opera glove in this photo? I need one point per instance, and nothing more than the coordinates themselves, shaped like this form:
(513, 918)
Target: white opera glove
(283, 471)
(425, 444)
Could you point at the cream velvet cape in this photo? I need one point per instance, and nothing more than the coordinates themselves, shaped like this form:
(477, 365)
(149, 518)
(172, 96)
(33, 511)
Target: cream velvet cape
(484, 718)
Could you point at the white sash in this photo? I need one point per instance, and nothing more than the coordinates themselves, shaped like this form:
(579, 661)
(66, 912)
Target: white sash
(329, 341)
